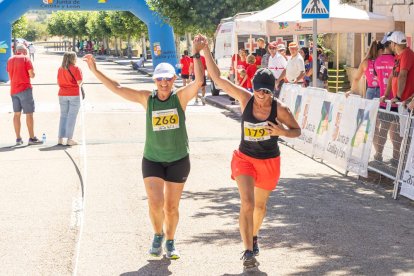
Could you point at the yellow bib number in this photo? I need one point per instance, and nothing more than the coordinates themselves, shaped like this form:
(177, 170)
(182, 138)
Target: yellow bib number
(165, 119)
(255, 132)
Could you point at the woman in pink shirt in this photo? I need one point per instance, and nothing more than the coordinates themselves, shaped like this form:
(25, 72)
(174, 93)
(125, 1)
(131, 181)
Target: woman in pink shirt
(367, 68)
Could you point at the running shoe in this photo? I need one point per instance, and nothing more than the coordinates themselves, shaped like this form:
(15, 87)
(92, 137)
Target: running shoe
(19, 141)
(60, 142)
(171, 252)
(34, 141)
(249, 261)
(203, 100)
(156, 247)
(255, 246)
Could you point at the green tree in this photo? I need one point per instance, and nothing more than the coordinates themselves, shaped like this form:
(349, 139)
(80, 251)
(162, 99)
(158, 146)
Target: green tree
(203, 15)
(36, 31)
(19, 27)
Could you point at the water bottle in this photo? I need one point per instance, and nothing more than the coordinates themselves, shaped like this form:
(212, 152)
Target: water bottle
(44, 138)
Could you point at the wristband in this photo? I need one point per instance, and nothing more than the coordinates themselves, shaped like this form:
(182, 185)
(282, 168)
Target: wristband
(398, 98)
(196, 55)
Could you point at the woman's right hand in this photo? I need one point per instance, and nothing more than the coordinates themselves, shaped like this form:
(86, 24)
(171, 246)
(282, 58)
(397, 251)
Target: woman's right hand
(90, 60)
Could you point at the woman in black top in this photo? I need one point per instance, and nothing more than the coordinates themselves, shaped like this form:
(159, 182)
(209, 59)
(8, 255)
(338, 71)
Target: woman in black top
(256, 164)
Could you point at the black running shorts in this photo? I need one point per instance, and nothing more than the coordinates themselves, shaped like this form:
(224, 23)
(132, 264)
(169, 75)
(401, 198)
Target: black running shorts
(176, 171)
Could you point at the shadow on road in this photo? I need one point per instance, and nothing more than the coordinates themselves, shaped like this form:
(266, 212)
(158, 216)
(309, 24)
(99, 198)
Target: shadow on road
(154, 267)
(352, 228)
(12, 148)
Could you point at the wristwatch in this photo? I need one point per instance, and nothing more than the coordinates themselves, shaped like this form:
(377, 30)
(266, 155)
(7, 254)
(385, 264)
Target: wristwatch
(398, 98)
(196, 55)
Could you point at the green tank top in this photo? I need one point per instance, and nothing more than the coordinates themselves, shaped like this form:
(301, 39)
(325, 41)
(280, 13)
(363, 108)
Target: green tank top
(166, 134)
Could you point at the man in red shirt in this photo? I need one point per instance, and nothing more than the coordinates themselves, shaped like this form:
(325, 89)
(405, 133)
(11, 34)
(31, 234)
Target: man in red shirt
(402, 79)
(401, 82)
(185, 62)
(20, 71)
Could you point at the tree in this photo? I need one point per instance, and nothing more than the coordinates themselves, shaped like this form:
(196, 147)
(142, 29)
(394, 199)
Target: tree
(19, 27)
(203, 15)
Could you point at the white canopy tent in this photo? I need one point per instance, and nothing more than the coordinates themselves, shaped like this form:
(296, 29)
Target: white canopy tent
(285, 18)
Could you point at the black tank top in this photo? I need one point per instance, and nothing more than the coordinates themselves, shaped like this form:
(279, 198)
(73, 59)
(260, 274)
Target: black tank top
(255, 140)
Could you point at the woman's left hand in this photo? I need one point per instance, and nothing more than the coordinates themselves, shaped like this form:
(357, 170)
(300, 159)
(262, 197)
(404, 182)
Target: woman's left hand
(275, 129)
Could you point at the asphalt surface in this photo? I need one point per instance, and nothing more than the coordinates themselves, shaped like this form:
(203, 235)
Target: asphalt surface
(319, 222)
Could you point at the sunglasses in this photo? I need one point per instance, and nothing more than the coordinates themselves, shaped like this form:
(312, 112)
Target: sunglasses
(161, 79)
(264, 91)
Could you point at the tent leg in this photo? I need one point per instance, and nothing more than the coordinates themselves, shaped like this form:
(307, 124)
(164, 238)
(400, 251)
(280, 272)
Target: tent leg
(337, 62)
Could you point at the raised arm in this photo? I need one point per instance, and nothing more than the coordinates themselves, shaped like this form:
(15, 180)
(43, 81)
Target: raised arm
(138, 96)
(233, 90)
(186, 93)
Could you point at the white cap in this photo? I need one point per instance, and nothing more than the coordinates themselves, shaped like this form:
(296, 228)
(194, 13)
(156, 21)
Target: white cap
(281, 46)
(385, 38)
(163, 70)
(397, 37)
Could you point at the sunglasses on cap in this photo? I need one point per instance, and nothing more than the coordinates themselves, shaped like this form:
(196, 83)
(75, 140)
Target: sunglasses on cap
(161, 79)
(264, 91)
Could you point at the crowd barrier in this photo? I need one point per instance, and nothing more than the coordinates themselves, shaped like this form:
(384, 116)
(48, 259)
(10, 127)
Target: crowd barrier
(353, 134)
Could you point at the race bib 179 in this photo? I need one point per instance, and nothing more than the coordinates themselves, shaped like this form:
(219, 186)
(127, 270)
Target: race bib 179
(165, 119)
(255, 132)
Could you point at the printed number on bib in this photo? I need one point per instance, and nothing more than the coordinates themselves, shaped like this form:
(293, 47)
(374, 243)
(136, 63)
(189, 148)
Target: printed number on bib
(255, 132)
(165, 119)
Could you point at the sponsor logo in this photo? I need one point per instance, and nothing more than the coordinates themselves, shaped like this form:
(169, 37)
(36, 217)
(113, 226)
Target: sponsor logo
(47, 2)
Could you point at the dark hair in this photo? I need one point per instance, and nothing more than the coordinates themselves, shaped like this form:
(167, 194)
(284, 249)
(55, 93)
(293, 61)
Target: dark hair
(306, 51)
(185, 52)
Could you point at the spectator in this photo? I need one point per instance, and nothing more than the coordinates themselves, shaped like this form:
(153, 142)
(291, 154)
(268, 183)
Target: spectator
(20, 71)
(261, 51)
(250, 71)
(281, 49)
(387, 123)
(185, 62)
(402, 80)
(367, 67)
(265, 58)
(307, 79)
(69, 79)
(32, 51)
(295, 68)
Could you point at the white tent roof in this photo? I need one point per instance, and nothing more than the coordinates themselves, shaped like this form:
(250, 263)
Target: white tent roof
(285, 18)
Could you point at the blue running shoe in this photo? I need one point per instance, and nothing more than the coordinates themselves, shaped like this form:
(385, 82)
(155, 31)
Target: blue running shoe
(156, 247)
(19, 141)
(249, 261)
(171, 252)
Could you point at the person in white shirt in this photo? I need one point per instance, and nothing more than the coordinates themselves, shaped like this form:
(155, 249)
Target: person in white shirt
(32, 51)
(277, 63)
(295, 68)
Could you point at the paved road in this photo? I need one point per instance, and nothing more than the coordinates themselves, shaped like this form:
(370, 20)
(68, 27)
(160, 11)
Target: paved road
(319, 222)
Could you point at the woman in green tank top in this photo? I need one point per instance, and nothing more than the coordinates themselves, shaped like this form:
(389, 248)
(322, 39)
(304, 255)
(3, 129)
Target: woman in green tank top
(165, 163)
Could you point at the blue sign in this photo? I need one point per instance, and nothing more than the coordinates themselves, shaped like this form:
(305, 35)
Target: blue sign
(315, 9)
(161, 34)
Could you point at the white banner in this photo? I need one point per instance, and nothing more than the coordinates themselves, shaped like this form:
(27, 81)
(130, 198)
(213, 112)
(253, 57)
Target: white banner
(337, 129)
(362, 140)
(325, 125)
(312, 100)
(407, 187)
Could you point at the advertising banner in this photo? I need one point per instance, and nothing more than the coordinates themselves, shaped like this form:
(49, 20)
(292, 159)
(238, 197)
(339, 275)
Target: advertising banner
(362, 139)
(407, 187)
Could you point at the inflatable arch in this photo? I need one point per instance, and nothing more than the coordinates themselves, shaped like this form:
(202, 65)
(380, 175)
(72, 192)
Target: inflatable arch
(161, 34)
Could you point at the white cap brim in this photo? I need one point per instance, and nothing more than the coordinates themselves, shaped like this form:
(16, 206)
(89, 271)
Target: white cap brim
(163, 75)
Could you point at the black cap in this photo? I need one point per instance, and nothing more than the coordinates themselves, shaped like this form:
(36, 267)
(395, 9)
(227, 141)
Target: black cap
(264, 79)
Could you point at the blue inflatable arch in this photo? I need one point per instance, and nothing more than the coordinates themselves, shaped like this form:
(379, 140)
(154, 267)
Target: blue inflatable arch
(161, 35)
